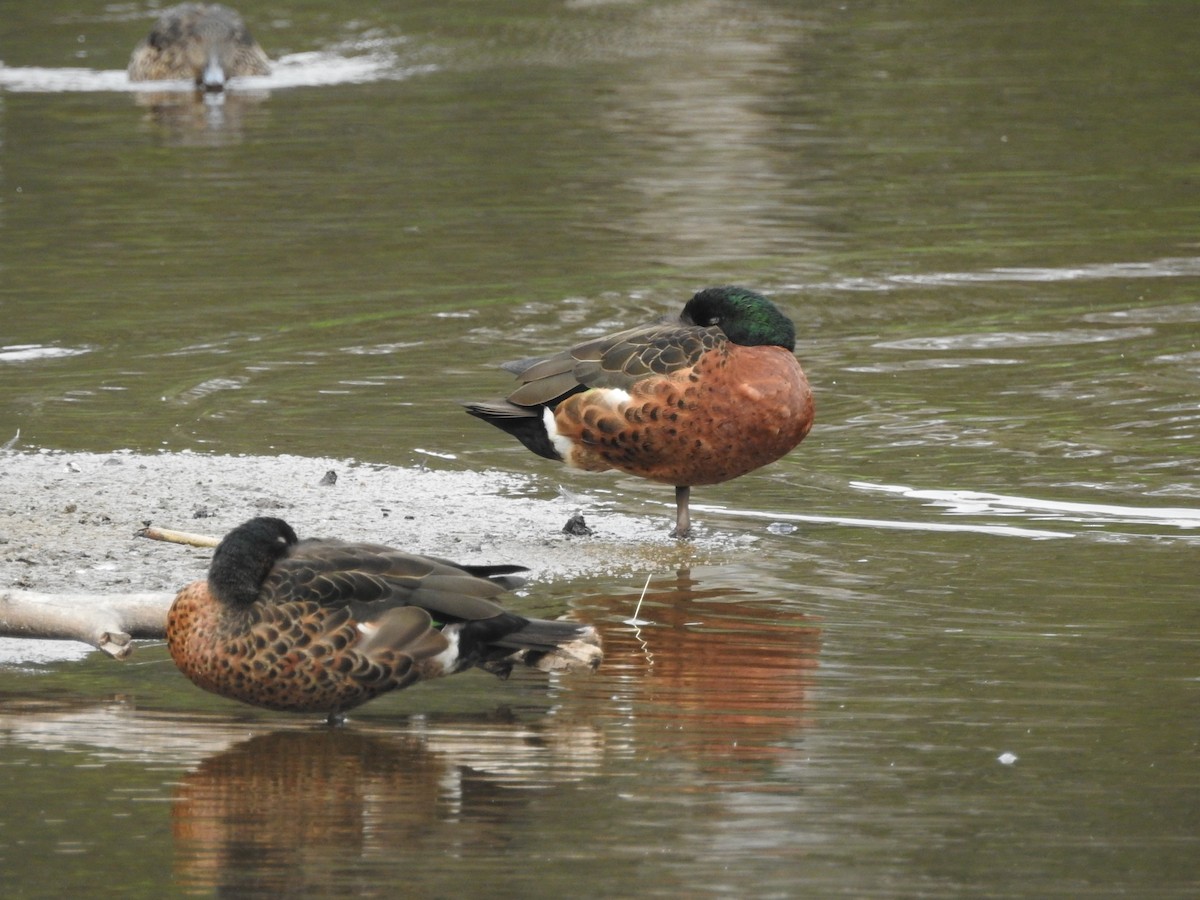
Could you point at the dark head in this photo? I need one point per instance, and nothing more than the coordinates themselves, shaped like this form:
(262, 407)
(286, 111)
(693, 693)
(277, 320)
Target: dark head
(746, 317)
(246, 556)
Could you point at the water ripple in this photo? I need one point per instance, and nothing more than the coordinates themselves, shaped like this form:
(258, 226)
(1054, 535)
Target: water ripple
(916, 365)
(1169, 267)
(991, 340)
(988, 505)
(891, 524)
(961, 502)
(31, 352)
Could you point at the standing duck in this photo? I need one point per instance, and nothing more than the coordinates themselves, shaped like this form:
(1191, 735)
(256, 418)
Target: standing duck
(326, 625)
(207, 43)
(698, 399)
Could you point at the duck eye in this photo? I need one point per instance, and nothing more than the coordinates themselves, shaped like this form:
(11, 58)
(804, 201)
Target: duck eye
(715, 320)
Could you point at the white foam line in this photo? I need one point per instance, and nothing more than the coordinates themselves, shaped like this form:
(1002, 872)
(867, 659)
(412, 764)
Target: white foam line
(310, 69)
(37, 79)
(1001, 530)
(975, 502)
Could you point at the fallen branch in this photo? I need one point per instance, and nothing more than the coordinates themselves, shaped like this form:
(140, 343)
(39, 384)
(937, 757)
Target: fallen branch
(108, 622)
(178, 537)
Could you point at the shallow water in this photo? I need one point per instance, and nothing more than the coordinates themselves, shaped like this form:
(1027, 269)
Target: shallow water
(958, 654)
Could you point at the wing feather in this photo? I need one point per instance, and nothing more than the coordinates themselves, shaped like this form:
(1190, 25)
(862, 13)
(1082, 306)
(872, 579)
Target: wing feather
(368, 580)
(616, 361)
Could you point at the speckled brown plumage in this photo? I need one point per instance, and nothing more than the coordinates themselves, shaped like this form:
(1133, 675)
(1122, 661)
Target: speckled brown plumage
(701, 399)
(325, 625)
(735, 410)
(205, 43)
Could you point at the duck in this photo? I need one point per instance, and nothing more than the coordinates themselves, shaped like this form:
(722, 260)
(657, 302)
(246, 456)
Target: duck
(695, 399)
(324, 625)
(205, 42)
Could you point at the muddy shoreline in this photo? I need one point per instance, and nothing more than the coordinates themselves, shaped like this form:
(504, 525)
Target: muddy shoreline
(69, 521)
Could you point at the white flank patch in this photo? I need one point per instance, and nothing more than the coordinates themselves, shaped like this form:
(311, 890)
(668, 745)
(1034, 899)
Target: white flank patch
(448, 658)
(562, 445)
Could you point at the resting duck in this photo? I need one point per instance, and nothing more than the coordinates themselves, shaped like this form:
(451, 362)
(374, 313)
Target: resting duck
(326, 625)
(698, 399)
(207, 43)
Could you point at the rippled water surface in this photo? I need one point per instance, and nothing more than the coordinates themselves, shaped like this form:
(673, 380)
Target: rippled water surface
(951, 645)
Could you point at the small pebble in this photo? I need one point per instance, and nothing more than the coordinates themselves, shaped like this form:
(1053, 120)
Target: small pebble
(576, 526)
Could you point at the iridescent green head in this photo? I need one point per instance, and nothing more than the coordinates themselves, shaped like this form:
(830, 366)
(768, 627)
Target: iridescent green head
(746, 317)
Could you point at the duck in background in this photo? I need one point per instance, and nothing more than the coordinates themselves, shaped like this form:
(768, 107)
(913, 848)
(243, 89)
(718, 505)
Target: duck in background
(207, 43)
(700, 398)
(325, 625)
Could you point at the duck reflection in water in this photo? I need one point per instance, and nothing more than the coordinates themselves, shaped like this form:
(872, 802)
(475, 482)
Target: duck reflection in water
(707, 674)
(208, 120)
(290, 813)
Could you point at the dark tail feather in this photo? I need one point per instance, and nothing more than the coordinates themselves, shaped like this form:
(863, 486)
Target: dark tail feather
(523, 423)
(544, 634)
